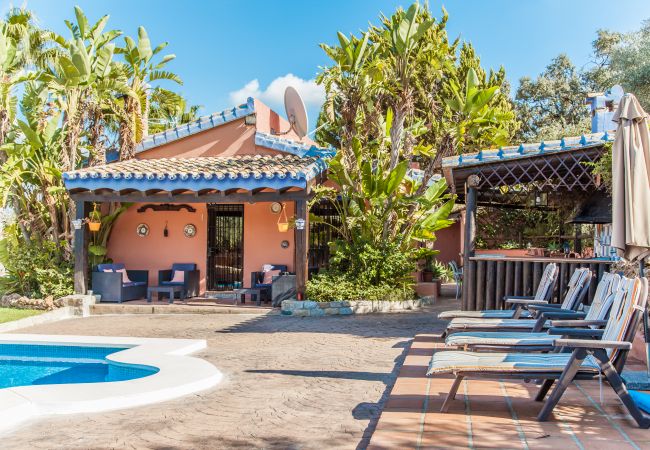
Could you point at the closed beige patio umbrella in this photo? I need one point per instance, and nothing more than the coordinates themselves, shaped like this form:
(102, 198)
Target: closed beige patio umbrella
(631, 189)
(631, 181)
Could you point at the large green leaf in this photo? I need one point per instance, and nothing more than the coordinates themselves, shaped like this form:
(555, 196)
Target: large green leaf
(144, 44)
(32, 136)
(396, 177)
(82, 21)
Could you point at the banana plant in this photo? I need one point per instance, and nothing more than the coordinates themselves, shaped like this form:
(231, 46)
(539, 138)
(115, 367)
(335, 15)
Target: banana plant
(475, 119)
(141, 68)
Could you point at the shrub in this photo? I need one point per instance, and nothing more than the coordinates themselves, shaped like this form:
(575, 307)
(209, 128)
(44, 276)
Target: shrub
(326, 287)
(35, 270)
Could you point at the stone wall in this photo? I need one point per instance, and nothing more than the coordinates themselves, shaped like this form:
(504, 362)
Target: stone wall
(44, 304)
(308, 308)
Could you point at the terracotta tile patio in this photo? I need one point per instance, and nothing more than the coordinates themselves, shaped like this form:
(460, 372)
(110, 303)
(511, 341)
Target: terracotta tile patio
(497, 414)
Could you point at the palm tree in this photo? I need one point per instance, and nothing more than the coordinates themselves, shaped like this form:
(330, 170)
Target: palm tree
(141, 71)
(168, 109)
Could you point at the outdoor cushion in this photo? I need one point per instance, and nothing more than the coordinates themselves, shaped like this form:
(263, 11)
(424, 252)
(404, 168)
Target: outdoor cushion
(179, 277)
(505, 338)
(485, 314)
(642, 400)
(113, 267)
(125, 276)
(462, 323)
(455, 361)
(268, 276)
(134, 283)
(171, 283)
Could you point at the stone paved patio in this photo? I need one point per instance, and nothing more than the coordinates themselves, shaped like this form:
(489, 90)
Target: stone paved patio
(307, 383)
(498, 414)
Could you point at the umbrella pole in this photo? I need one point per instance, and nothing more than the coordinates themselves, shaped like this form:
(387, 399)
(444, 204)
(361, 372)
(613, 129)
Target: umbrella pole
(645, 321)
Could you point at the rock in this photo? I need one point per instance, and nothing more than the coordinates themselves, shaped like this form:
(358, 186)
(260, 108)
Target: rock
(345, 311)
(301, 313)
(316, 312)
(332, 311)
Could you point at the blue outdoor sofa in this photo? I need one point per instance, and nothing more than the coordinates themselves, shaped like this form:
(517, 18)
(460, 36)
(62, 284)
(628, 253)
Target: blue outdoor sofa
(110, 286)
(191, 283)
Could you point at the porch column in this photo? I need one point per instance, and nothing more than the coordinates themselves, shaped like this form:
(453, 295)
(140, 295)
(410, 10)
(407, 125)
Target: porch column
(300, 245)
(80, 251)
(469, 246)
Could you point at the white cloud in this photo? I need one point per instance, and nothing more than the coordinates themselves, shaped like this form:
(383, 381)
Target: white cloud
(312, 94)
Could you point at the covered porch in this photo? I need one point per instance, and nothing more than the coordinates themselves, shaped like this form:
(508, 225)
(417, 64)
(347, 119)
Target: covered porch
(539, 176)
(221, 213)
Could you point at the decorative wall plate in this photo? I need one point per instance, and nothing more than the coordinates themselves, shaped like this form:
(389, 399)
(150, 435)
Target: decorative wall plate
(142, 230)
(189, 230)
(276, 207)
(284, 244)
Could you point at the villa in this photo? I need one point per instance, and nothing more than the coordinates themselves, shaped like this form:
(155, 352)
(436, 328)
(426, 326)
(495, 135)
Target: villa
(218, 192)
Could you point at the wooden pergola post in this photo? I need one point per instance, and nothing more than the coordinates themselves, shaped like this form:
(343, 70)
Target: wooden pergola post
(469, 245)
(300, 245)
(80, 250)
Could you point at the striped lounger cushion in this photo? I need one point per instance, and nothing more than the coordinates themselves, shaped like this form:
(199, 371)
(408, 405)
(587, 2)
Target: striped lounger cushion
(506, 338)
(463, 323)
(485, 314)
(454, 361)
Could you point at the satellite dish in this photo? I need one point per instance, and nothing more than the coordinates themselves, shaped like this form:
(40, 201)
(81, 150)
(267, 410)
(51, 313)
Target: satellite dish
(296, 112)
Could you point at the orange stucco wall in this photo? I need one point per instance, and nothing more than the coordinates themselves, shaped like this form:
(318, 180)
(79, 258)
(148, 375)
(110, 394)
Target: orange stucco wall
(156, 252)
(262, 240)
(234, 138)
(449, 244)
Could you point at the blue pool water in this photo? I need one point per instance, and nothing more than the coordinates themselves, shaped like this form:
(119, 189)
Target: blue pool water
(33, 364)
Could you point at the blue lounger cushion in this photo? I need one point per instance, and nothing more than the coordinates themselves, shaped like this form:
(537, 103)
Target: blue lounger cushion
(642, 400)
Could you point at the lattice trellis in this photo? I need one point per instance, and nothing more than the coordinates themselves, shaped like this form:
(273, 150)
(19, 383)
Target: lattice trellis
(523, 181)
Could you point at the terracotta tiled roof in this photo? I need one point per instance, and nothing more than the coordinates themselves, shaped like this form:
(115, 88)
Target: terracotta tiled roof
(245, 172)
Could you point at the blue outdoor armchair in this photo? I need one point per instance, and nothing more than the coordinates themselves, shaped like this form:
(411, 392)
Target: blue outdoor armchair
(192, 279)
(257, 279)
(111, 287)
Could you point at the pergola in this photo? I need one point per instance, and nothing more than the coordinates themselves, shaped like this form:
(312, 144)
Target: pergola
(219, 179)
(518, 176)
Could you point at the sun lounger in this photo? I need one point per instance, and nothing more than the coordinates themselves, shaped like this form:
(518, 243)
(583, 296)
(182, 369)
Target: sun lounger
(588, 360)
(578, 288)
(609, 295)
(542, 296)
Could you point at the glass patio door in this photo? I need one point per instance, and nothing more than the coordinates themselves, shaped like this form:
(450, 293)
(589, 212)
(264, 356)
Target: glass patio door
(225, 247)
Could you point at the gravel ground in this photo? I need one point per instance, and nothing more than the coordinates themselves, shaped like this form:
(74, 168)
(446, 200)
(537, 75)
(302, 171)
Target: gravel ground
(289, 383)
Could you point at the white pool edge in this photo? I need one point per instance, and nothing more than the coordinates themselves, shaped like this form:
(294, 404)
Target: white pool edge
(178, 375)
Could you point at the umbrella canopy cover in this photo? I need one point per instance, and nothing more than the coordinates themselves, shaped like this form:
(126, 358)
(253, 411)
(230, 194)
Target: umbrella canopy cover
(631, 181)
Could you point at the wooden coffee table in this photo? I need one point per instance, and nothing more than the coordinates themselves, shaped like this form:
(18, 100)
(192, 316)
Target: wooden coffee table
(170, 290)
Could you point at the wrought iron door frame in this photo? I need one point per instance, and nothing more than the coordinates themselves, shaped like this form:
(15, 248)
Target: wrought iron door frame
(214, 283)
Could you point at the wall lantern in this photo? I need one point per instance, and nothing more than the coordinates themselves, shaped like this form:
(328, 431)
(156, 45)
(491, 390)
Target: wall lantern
(300, 224)
(77, 224)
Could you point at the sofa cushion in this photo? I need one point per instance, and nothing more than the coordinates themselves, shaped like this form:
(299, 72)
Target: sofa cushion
(171, 283)
(112, 267)
(178, 276)
(183, 266)
(134, 283)
(268, 276)
(125, 276)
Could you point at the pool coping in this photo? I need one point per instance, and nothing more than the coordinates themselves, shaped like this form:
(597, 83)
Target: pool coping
(178, 375)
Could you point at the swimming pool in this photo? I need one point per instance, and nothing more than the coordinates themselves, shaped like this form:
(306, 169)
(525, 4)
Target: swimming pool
(30, 364)
(43, 375)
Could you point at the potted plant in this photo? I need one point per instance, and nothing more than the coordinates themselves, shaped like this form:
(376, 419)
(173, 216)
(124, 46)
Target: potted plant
(94, 219)
(433, 274)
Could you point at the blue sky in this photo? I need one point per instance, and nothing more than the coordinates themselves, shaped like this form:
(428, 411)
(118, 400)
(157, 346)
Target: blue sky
(227, 49)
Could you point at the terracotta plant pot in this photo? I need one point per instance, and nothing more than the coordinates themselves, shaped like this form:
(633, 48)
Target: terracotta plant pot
(94, 226)
(283, 227)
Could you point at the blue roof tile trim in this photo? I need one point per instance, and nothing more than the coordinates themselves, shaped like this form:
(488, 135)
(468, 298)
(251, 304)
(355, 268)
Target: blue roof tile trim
(198, 125)
(526, 150)
(289, 146)
(194, 174)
